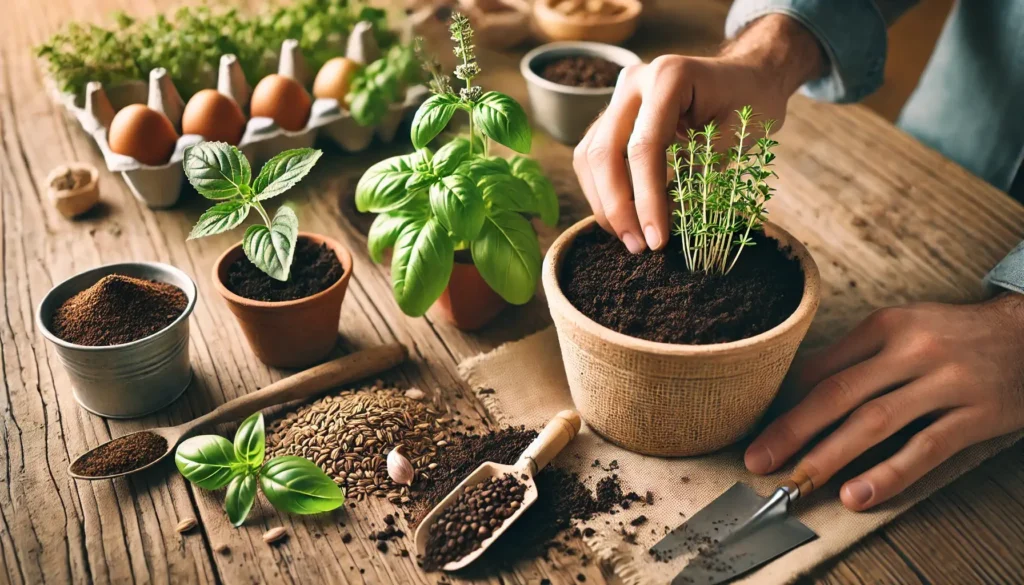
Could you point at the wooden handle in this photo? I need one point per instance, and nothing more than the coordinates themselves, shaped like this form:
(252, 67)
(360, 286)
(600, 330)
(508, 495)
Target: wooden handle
(556, 435)
(799, 485)
(308, 383)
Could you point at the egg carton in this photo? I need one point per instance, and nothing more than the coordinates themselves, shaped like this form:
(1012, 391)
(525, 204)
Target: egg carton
(160, 186)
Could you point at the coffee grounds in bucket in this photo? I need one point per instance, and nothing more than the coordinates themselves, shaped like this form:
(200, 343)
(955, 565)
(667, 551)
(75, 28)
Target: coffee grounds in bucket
(121, 455)
(118, 309)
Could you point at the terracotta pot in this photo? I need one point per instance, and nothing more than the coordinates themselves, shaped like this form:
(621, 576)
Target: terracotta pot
(468, 302)
(673, 399)
(289, 334)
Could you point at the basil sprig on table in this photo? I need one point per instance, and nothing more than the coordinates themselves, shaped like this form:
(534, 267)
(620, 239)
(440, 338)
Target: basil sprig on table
(221, 172)
(431, 204)
(291, 484)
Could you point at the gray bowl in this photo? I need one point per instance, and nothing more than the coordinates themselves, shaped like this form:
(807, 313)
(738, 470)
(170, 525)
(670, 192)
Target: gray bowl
(131, 379)
(564, 111)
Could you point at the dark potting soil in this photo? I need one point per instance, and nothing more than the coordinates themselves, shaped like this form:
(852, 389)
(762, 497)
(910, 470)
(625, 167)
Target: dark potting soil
(315, 267)
(122, 454)
(118, 309)
(582, 71)
(653, 296)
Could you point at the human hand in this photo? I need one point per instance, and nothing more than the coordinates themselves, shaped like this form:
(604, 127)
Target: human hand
(654, 103)
(957, 365)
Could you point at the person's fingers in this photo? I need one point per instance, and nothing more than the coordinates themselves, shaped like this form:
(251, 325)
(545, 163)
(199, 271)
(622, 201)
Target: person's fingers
(583, 175)
(827, 403)
(923, 452)
(864, 341)
(606, 158)
(665, 95)
(874, 422)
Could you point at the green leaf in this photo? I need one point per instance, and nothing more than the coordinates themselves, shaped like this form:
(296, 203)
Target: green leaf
(508, 256)
(503, 120)
(220, 218)
(456, 203)
(293, 484)
(432, 117)
(216, 169)
(450, 156)
(508, 193)
(478, 167)
(239, 498)
(383, 187)
(522, 166)
(384, 233)
(271, 250)
(545, 198)
(283, 171)
(208, 461)
(250, 441)
(421, 265)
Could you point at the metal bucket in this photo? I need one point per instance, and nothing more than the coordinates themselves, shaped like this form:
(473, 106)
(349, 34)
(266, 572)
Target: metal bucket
(131, 379)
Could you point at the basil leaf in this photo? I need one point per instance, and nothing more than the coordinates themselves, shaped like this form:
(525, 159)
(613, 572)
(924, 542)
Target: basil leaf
(208, 461)
(508, 256)
(521, 166)
(421, 265)
(296, 485)
(478, 167)
(216, 169)
(432, 117)
(384, 233)
(382, 187)
(503, 120)
(457, 204)
(450, 156)
(283, 171)
(545, 198)
(508, 193)
(250, 441)
(271, 250)
(220, 218)
(239, 498)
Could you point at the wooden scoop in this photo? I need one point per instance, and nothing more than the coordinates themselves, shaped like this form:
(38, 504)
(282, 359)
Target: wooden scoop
(556, 435)
(305, 384)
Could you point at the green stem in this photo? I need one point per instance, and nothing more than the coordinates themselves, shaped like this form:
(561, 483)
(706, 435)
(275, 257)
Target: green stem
(263, 213)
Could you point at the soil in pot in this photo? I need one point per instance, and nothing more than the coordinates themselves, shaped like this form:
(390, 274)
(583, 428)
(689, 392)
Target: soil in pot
(653, 296)
(582, 71)
(315, 267)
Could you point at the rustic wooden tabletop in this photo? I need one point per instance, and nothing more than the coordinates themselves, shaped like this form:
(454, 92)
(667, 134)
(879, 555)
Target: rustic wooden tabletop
(888, 221)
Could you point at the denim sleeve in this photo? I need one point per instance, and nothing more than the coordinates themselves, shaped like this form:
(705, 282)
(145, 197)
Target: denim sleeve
(1009, 273)
(851, 32)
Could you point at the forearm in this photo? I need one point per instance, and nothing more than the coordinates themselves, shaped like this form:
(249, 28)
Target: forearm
(784, 49)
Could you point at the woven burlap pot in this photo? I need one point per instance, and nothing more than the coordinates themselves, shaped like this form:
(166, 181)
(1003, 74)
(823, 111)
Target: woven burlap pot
(666, 399)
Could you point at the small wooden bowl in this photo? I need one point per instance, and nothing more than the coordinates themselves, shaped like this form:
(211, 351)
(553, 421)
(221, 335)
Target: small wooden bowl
(74, 202)
(613, 29)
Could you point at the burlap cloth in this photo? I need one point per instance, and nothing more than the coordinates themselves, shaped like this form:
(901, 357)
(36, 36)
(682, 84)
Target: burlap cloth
(526, 385)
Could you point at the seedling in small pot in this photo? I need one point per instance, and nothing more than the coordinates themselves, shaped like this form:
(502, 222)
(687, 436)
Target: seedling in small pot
(220, 172)
(432, 204)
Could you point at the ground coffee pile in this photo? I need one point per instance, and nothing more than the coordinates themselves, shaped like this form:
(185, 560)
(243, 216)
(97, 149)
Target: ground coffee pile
(582, 71)
(122, 454)
(315, 267)
(654, 296)
(118, 309)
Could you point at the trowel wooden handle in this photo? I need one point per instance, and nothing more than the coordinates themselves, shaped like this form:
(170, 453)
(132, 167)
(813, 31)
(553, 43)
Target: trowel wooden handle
(799, 485)
(556, 435)
(311, 382)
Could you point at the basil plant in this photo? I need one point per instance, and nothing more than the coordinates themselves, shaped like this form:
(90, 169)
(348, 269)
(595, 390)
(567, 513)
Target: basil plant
(432, 204)
(291, 484)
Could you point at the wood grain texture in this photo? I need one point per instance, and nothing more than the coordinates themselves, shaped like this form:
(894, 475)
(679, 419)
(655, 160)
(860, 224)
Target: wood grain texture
(887, 220)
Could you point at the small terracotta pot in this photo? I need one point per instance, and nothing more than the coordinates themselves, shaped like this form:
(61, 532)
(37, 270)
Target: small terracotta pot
(468, 302)
(289, 334)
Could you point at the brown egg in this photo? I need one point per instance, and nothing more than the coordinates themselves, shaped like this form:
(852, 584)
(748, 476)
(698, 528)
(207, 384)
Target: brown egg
(283, 99)
(335, 78)
(143, 134)
(214, 116)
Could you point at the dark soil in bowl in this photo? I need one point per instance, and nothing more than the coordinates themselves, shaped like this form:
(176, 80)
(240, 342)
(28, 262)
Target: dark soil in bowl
(315, 268)
(582, 71)
(653, 296)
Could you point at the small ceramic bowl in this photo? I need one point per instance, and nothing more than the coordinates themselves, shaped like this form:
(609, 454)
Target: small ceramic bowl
(565, 111)
(131, 379)
(615, 27)
(76, 201)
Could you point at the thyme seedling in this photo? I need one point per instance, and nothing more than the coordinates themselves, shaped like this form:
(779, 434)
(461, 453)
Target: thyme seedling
(720, 198)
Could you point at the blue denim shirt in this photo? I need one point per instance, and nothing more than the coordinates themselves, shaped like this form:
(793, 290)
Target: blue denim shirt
(969, 103)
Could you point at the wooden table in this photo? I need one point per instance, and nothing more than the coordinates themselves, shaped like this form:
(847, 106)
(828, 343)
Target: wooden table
(888, 221)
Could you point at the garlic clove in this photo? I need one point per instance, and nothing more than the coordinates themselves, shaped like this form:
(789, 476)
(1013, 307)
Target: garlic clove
(399, 468)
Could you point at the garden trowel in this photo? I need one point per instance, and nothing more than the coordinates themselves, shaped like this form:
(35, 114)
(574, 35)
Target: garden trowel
(737, 533)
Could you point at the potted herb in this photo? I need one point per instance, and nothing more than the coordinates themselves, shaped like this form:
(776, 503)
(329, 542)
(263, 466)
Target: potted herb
(284, 286)
(458, 218)
(680, 351)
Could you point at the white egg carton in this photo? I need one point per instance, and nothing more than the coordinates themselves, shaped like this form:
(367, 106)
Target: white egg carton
(160, 186)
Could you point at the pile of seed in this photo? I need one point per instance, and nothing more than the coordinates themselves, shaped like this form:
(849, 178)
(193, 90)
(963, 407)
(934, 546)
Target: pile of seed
(471, 519)
(349, 436)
